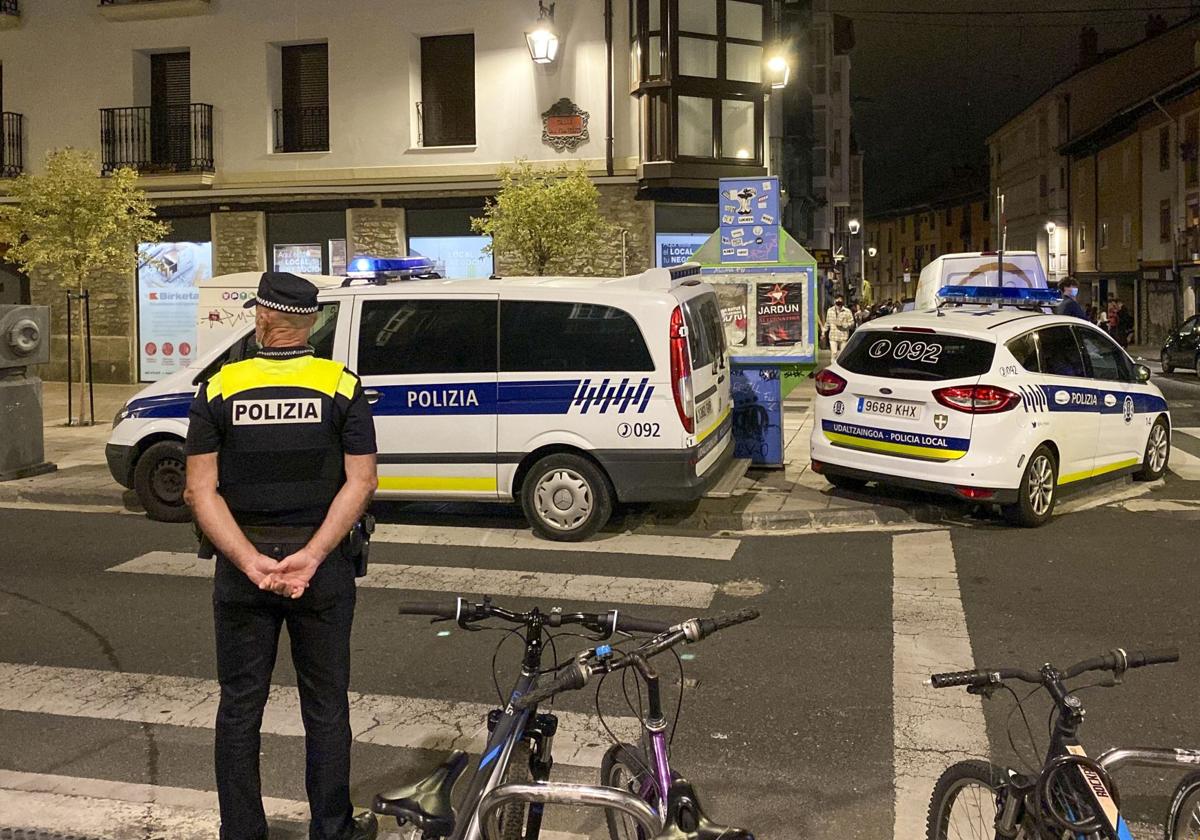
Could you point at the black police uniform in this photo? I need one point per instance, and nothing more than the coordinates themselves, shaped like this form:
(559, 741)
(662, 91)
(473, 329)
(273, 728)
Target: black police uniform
(280, 424)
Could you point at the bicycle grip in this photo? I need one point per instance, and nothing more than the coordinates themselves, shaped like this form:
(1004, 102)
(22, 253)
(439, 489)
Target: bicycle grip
(440, 609)
(630, 624)
(573, 677)
(953, 678)
(1140, 658)
(708, 626)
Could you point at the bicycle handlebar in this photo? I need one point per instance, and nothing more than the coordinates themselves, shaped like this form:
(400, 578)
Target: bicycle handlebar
(465, 612)
(1117, 660)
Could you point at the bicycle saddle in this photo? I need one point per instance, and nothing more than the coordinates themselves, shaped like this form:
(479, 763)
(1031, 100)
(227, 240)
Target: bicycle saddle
(426, 804)
(683, 809)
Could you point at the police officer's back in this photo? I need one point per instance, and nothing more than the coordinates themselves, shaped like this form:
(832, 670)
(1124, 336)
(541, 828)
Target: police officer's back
(281, 466)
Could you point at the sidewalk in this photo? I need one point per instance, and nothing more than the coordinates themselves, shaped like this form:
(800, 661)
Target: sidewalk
(787, 499)
(82, 477)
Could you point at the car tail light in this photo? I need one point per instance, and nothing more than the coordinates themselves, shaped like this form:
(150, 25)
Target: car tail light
(829, 383)
(976, 493)
(681, 372)
(977, 399)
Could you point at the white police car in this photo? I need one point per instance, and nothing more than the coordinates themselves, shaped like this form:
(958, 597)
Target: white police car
(568, 394)
(989, 403)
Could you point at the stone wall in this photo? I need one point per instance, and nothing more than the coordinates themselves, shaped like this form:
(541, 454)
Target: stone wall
(619, 207)
(376, 231)
(114, 325)
(239, 242)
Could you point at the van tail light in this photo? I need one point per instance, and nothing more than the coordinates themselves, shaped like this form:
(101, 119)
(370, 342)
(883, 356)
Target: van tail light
(977, 399)
(829, 383)
(681, 372)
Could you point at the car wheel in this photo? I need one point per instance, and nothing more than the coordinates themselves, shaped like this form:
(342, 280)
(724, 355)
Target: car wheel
(845, 482)
(1038, 491)
(1158, 452)
(1167, 367)
(159, 480)
(566, 498)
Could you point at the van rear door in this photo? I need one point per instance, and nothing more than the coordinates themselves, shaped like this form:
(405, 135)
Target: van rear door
(709, 354)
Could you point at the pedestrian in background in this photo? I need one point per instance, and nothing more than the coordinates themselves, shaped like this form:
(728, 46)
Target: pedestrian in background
(280, 469)
(1113, 306)
(839, 323)
(1069, 305)
(1124, 324)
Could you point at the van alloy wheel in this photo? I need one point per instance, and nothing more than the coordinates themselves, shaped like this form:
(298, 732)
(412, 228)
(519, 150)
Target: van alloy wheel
(563, 499)
(1041, 485)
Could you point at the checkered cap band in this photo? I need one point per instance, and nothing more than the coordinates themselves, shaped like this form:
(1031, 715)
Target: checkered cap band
(280, 307)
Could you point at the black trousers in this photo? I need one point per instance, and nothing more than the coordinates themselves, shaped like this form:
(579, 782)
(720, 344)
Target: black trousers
(248, 621)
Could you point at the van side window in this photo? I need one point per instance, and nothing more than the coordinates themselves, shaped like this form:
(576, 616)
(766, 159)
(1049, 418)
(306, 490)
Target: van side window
(1024, 350)
(549, 336)
(402, 337)
(1060, 352)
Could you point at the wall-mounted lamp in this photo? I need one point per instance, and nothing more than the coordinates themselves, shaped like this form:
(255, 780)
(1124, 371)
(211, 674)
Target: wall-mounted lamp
(1050, 228)
(778, 71)
(853, 226)
(542, 40)
(872, 252)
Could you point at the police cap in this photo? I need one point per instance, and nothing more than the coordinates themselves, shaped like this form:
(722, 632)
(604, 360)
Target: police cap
(285, 292)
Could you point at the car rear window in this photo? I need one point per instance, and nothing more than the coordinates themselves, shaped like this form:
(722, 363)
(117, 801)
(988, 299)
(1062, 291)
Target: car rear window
(706, 330)
(916, 355)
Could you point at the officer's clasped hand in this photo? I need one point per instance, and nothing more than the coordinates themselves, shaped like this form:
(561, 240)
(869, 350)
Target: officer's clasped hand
(291, 575)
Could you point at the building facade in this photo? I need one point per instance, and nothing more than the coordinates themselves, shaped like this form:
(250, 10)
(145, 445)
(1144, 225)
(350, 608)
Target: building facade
(288, 135)
(902, 242)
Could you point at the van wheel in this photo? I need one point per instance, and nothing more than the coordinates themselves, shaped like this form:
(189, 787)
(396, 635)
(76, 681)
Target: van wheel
(159, 480)
(566, 498)
(1038, 491)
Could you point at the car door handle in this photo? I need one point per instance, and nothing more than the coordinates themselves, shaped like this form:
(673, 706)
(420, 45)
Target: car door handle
(373, 396)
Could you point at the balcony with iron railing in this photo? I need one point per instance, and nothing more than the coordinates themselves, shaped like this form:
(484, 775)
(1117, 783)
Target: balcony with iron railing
(302, 129)
(12, 144)
(167, 140)
(10, 14)
(151, 9)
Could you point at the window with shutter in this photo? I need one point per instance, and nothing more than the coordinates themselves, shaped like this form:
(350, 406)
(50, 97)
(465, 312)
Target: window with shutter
(302, 124)
(170, 101)
(446, 112)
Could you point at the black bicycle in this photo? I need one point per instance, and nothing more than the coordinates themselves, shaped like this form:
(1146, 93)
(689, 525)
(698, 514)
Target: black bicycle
(641, 795)
(1071, 797)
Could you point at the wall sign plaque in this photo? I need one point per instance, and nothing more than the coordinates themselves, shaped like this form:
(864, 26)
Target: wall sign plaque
(564, 126)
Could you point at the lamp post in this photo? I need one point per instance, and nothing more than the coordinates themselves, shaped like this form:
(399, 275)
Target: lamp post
(1052, 248)
(855, 227)
(542, 40)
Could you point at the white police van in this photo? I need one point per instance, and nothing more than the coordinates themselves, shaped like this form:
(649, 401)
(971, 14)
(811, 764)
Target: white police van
(989, 402)
(568, 394)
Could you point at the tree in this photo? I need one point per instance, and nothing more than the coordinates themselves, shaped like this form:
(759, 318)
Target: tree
(69, 220)
(543, 218)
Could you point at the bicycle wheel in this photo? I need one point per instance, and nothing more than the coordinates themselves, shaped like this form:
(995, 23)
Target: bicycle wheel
(1183, 820)
(963, 804)
(627, 768)
(512, 816)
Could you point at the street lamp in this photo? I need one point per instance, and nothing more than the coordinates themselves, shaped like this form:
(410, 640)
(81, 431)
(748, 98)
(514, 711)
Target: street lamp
(542, 40)
(872, 252)
(1051, 247)
(778, 71)
(854, 226)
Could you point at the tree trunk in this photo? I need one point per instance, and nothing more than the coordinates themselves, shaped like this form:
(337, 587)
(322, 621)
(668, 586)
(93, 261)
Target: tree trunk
(85, 354)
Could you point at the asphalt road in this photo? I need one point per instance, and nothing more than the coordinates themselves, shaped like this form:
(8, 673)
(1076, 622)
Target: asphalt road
(792, 726)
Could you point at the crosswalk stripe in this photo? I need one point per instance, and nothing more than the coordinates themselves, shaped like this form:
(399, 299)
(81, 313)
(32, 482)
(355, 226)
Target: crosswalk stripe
(525, 584)
(702, 548)
(932, 729)
(385, 720)
(69, 805)
(1184, 464)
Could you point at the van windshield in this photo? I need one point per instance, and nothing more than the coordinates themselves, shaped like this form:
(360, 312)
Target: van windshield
(985, 271)
(916, 355)
(706, 331)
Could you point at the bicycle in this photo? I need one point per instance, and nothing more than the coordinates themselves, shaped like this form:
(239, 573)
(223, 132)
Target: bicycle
(643, 797)
(1183, 815)
(1071, 797)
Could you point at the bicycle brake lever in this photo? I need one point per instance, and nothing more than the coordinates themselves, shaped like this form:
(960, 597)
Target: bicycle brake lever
(984, 691)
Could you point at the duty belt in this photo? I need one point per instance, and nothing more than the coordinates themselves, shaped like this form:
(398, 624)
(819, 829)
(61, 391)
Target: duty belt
(281, 534)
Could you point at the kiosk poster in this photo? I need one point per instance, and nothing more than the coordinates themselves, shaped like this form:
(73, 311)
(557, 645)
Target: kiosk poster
(167, 275)
(749, 220)
(731, 298)
(781, 308)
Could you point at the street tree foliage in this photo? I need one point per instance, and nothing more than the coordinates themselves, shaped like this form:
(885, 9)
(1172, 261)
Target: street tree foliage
(544, 219)
(69, 220)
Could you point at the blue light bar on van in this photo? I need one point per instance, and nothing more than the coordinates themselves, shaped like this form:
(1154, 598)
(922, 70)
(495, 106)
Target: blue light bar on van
(687, 269)
(380, 265)
(994, 296)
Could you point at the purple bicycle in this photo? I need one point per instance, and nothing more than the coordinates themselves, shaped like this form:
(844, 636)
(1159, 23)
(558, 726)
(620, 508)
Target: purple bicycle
(643, 798)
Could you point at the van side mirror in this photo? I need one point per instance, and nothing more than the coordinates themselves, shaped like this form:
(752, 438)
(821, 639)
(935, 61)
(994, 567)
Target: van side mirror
(1143, 374)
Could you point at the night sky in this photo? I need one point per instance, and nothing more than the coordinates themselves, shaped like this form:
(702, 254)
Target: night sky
(928, 89)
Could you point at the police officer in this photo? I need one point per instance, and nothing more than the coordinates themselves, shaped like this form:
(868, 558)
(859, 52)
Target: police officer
(280, 469)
